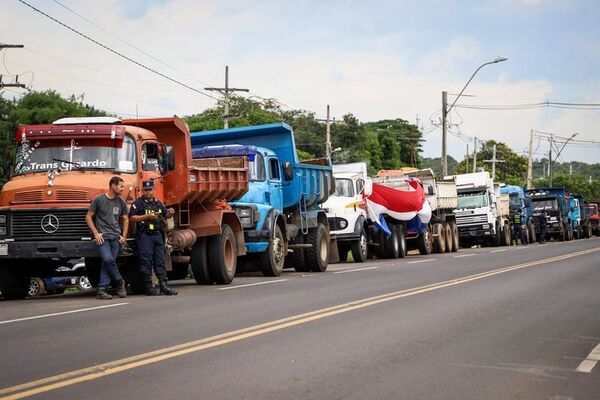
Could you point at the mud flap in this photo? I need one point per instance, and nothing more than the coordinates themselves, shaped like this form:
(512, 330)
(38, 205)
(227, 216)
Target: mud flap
(334, 255)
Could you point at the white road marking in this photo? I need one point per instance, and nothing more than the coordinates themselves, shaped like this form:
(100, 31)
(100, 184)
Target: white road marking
(354, 270)
(465, 255)
(497, 251)
(422, 261)
(252, 284)
(589, 363)
(62, 313)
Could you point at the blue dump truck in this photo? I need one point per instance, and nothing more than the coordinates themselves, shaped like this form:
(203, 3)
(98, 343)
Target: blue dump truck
(582, 227)
(556, 204)
(519, 202)
(281, 215)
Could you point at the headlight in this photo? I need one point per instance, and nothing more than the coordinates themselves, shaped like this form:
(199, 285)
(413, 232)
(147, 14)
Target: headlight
(2, 231)
(246, 222)
(245, 212)
(343, 223)
(2, 219)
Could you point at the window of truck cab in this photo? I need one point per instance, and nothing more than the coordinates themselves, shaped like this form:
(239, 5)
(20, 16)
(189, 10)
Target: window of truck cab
(76, 154)
(274, 173)
(343, 187)
(256, 168)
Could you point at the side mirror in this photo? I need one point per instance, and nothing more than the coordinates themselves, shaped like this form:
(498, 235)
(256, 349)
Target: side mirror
(288, 171)
(170, 158)
(368, 189)
(430, 190)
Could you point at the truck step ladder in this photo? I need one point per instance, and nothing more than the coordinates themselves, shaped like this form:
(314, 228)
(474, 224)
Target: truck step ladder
(303, 214)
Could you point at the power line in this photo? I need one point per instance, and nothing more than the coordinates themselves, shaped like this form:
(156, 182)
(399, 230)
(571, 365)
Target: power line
(528, 106)
(117, 53)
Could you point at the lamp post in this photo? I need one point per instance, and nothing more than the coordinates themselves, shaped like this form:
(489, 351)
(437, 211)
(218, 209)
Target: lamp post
(446, 111)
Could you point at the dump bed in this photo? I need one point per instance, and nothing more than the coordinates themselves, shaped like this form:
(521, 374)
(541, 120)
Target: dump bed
(447, 196)
(311, 180)
(213, 179)
(503, 205)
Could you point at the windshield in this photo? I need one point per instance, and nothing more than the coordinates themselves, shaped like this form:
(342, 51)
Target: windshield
(544, 204)
(591, 210)
(343, 188)
(472, 200)
(514, 201)
(75, 155)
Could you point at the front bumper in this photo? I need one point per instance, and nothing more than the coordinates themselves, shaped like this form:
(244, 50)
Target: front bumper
(67, 249)
(474, 231)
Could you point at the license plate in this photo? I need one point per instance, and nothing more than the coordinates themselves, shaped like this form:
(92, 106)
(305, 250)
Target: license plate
(3, 249)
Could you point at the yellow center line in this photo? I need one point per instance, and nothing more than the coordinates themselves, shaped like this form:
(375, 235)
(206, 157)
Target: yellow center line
(98, 371)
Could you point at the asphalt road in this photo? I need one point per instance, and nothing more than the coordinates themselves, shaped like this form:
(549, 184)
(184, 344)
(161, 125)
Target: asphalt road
(504, 323)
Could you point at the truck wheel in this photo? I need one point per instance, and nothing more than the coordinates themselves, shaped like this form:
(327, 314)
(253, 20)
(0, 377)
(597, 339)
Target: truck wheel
(271, 261)
(14, 282)
(506, 238)
(92, 270)
(317, 256)
(178, 271)
(424, 242)
(295, 259)
(562, 236)
(36, 287)
(360, 248)
(439, 238)
(199, 262)
(222, 256)
(588, 232)
(448, 235)
(496, 239)
(525, 239)
(402, 242)
(455, 237)
(532, 235)
(570, 233)
(391, 244)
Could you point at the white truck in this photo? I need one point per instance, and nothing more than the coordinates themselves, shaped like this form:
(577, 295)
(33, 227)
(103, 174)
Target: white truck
(482, 212)
(346, 212)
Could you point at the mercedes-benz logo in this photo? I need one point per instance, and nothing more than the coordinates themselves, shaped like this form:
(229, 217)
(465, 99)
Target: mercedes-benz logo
(50, 223)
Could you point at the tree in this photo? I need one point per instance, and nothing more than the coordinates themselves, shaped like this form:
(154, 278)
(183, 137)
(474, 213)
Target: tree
(513, 171)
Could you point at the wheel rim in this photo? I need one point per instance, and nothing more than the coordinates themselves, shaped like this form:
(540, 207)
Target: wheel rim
(229, 254)
(363, 244)
(278, 256)
(84, 283)
(323, 251)
(396, 244)
(34, 288)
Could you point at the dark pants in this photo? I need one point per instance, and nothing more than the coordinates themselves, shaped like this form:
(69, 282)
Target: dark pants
(542, 237)
(151, 252)
(109, 272)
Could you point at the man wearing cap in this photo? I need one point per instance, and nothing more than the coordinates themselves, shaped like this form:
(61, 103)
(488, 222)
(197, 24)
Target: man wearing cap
(150, 216)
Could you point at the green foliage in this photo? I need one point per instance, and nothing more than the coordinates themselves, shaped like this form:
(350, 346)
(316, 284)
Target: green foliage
(576, 183)
(436, 165)
(512, 171)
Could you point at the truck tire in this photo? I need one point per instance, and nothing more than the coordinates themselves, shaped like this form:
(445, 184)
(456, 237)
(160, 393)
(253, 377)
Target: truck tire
(14, 282)
(505, 236)
(496, 239)
(402, 242)
(588, 231)
(317, 256)
(178, 271)
(569, 233)
(439, 238)
(455, 237)
(222, 256)
(525, 236)
(563, 235)
(199, 262)
(92, 270)
(448, 235)
(532, 235)
(296, 258)
(272, 260)
(391, 244)
(36, 287)
(360, 248)
(424, 242)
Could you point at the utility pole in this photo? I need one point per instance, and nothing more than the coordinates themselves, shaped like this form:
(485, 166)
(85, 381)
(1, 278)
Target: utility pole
(16, 83)
(530, 160)
(328, 134)
(225, 92)
(475, 155)
(444, 133)
(570, 169)
(467, 158)
(494, 160)
(550, 140)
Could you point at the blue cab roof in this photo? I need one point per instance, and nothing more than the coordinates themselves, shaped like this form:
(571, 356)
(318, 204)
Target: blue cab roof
(278, 137)
(231, 150)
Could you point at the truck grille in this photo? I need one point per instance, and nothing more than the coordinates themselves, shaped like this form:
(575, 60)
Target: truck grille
(32, 195)
(65, 194)
(27, 224)
(471, 219)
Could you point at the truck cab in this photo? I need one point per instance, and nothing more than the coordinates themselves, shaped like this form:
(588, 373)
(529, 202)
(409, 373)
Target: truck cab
(346, 211)
(519, 202)
(555, 203)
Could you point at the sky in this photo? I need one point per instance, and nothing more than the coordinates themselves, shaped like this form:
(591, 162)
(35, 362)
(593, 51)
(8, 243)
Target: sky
(376, 60)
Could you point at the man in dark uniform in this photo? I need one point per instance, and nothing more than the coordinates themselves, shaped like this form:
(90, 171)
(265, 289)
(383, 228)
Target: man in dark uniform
(517, 228)
(543, 225)
(150, 216)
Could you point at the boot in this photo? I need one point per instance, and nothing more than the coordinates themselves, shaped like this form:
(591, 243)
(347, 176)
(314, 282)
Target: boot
(150, 289)
(102, 294)
(121, 289)
(165, 289)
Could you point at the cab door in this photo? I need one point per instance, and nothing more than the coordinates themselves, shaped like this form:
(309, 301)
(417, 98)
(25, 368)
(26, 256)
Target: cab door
(153, 162)
(275, 184)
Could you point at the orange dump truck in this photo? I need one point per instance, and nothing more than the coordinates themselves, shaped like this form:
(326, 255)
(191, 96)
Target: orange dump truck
(62, 166)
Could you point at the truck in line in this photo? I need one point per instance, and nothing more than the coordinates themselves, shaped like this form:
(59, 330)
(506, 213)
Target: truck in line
(62, 166)
(519, 202)
(482, 212)
(282, 218)
(580, 219)
(555, 202)
(591, 209)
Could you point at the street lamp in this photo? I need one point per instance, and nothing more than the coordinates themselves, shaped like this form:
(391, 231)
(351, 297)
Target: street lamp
(446, 111)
